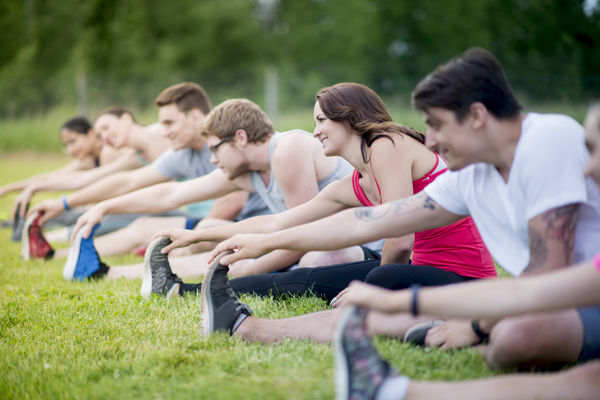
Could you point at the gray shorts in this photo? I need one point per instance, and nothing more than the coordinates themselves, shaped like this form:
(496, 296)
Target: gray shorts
(590, 316)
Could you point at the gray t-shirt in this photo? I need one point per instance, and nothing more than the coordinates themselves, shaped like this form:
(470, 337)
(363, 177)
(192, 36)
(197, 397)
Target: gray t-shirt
(184, 163)
(189, 163)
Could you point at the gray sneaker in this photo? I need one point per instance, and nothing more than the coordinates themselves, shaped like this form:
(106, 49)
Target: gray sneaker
(221, 310)
(359, 370)
(158, 277)
(417, 333)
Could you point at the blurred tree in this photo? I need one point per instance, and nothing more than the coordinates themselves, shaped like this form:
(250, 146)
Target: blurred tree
(126, 51)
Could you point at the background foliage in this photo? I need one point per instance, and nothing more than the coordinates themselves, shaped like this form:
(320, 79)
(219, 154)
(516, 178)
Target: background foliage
(98, 52)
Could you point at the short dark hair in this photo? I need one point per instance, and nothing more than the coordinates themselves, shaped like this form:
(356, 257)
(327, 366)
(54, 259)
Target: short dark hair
(475, 76)
(186, 96)
(77, 124)
(117, 111)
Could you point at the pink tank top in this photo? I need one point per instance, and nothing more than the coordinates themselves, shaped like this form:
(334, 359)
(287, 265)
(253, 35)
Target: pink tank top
(597, 261)
(457, 248)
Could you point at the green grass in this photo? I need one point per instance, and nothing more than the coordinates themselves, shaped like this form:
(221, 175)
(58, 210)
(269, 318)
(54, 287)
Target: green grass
(101, 340)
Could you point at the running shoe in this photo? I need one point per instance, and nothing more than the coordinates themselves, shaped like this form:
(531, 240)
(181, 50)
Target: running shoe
(83, 261)
(417, 333)
(18, 224)
(221, 310)
(33, 242)
(359, 370)
(158, 277)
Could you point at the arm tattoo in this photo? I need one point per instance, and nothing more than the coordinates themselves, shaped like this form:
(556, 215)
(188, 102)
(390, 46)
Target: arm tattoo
(429, 203)
(398, 207)
(370, 213)
(537, 250)
(559, 226)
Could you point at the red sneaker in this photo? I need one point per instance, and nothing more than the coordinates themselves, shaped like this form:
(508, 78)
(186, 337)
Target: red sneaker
(140, 251)
(33, 242)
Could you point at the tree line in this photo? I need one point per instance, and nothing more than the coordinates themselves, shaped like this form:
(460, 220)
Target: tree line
(125, 51)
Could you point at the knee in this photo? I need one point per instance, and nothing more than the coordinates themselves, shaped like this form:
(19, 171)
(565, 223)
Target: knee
(389, 276)
(511, 341)
(325, 258)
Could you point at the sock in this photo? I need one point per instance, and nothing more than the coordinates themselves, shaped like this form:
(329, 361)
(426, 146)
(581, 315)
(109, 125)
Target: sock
(393, 387)
(101, 272)
(189, 288)
(238, 322)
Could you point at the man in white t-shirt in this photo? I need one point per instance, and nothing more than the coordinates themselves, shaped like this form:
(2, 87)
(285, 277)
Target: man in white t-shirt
(521, 178)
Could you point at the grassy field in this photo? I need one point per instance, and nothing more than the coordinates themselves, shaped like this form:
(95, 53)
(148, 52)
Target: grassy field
(101, 340)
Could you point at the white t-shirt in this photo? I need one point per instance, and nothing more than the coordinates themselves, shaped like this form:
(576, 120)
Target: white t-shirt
(546, 173)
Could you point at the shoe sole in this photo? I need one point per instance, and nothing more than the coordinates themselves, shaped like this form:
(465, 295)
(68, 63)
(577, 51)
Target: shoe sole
(207, 316)
(146, 290)
(25, 251)
(341, 362)
(71, 263)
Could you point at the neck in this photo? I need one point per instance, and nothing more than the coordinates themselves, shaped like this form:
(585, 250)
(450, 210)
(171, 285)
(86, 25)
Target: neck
(197, 142)
(352, 153)
(136, 137)
(504, 144)
(258, 157)
(97, 149)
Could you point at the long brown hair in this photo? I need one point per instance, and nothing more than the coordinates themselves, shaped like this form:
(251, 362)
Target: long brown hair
(363, 111)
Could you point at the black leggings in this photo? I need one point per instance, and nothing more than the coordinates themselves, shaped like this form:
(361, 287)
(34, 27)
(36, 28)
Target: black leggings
(328, 281)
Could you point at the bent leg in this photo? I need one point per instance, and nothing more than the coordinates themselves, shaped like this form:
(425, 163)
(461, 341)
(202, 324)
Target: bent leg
(536, 340)
(314, 259)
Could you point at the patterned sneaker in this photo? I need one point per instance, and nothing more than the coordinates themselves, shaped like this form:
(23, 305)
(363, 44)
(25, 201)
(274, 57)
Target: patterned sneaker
(221, 310)
(18, 224)
(417, 333)
(359, 370)
(83, 261)
(158, 277)
(33, 242)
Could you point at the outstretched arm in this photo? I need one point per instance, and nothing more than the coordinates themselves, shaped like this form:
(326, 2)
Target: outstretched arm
(577, 286)
(347, 228)
(329, 201)
(75, 179)
(111, 186)
(75, 165)
(159, 198)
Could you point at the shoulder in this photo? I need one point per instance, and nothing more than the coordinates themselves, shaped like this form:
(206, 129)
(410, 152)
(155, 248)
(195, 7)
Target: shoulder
(293, 144)
(155, 129)
(546, 129)
(109, 154)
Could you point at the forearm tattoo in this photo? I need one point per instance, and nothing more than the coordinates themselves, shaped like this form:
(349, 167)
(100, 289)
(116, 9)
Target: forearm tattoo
(558, 226)
(370, 213)
(398, 207)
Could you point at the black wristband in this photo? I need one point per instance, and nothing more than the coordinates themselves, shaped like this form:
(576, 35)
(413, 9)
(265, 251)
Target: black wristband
(414, 299)
(477, 329)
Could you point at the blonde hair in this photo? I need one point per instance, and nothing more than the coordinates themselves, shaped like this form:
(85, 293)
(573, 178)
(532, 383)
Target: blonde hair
(226, 118)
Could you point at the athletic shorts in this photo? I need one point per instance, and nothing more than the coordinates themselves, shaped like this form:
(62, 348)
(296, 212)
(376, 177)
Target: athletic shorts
(590, 316)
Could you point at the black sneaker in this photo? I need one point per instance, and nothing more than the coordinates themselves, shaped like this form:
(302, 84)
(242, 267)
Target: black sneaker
(221, 310)
(417, 333)
(18, 224)
(359, 370)
(158, 277)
